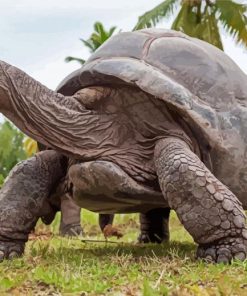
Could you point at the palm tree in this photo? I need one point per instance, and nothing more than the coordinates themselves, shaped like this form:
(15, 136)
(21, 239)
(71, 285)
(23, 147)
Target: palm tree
(97, 38)
(201, 19)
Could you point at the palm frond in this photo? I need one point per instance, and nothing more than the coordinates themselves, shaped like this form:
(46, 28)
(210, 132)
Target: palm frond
(199, 24)
(233, 18)
(112, 30)
(186, 20)
(97, 38)
(96, 26)
(208, 30)
(70, 59)
(153, 16)
(99, 28)
(89, 44)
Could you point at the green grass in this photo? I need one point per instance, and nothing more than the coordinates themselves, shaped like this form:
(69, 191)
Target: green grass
(59, 266)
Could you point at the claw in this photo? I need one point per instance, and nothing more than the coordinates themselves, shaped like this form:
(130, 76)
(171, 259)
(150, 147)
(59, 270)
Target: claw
(240, 256)
(145, 238)
(211, 253)
(10, 250)
(223, 259)
(209, 259)
(71, 230)
(223, 251)
(13, 254)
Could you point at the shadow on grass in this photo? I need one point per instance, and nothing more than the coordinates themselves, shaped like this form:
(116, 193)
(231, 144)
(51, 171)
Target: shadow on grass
(70, 251)
(151, 250)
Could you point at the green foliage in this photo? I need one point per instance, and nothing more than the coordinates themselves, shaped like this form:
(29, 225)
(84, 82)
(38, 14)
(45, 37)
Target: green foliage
(203, 25)
(11, 148)
(1, 180)
(234, 19)
(201, 19)
(148, 290)
(151, 18)
(30, 146)
(71, 59)
(97, 38)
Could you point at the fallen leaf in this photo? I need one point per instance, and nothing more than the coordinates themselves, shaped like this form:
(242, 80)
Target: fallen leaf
(110, 230)
(40, 235)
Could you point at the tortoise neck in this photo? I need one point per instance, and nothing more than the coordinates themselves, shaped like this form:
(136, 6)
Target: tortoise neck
(5, 105)
(35, 109)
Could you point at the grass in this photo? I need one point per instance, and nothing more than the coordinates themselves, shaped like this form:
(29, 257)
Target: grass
(58, 266)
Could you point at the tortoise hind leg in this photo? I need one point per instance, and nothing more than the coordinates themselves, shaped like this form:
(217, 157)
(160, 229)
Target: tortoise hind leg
(105, 219)
(23, 198)
(209, 210)
(70, 224)
(154, 226)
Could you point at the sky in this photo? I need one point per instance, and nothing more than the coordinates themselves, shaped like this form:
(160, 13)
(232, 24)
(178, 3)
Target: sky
(36, 36)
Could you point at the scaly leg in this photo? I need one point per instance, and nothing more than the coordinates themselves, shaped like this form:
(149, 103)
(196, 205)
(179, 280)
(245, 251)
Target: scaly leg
(70, 224)
(208, 209)
(154, 226)
(23, 199)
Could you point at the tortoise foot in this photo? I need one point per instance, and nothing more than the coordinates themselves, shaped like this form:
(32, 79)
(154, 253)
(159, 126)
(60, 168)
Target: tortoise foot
(145, 238)
(223, 251)
(11, 250)
(154, 226)
(70, 230)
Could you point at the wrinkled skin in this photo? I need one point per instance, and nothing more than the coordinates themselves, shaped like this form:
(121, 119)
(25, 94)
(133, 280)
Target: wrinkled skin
(157, 141)
(154, 224)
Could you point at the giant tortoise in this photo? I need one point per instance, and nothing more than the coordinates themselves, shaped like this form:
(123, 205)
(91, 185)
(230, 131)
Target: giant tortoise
(154, 119)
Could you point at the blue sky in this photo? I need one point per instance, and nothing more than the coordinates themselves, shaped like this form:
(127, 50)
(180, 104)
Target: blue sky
(36, 36)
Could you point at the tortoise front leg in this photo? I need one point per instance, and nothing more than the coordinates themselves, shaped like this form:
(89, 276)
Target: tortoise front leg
(23, 199)
(208, 209)
(154, 226)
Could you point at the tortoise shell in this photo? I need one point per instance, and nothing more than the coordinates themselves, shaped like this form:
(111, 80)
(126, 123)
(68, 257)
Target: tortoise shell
(197, 80)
